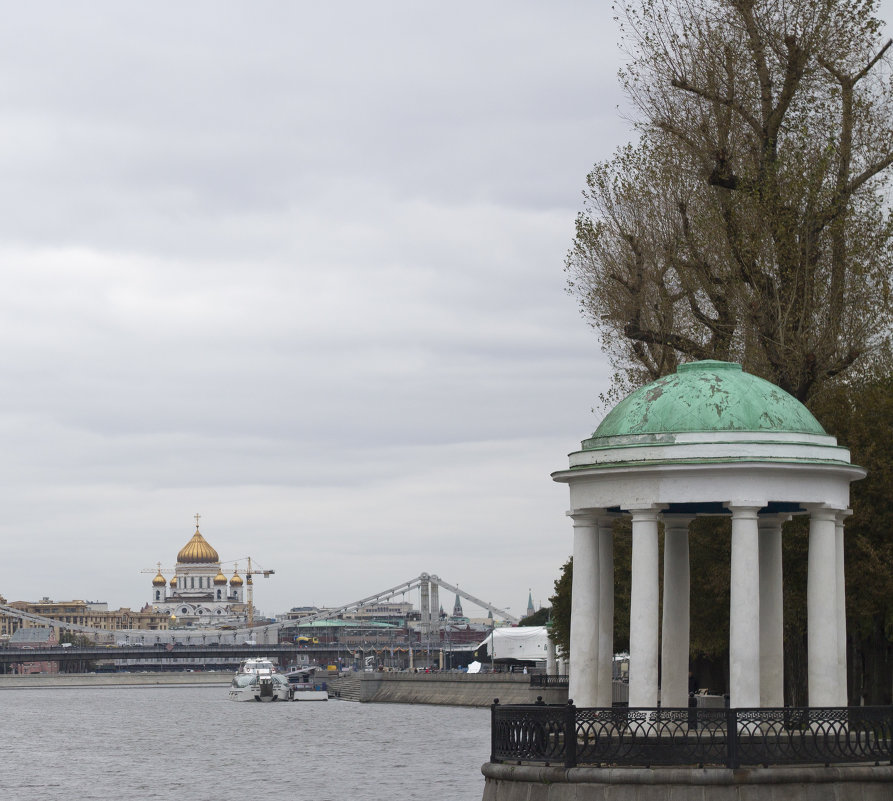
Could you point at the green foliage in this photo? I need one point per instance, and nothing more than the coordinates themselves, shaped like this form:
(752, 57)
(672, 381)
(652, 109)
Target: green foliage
(80, 640)
(539, 618)
(710, 560)
(749, 222)
(561, 608)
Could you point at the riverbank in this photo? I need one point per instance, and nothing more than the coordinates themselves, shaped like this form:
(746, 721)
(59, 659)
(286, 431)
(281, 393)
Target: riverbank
(69, 680)
(452, 689)
(445, 689)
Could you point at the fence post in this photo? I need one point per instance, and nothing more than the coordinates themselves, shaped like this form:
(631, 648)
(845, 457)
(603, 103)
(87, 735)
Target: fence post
(570, 735)
(493, 729)
(731, 738)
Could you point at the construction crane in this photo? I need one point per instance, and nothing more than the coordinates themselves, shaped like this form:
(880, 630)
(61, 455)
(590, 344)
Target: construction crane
(159, 569)
(249, 581)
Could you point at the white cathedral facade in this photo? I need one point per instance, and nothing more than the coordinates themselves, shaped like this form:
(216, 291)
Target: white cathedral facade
(199, 594)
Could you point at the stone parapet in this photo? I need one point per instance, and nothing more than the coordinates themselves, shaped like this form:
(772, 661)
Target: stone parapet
(537, 783)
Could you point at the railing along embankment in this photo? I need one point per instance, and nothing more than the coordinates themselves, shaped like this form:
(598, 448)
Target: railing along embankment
(730, 738)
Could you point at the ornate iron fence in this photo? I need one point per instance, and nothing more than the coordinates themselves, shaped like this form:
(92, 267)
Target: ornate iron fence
(566, 735)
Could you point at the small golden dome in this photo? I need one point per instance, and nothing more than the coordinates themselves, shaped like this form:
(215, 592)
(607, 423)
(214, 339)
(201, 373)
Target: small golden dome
(174, 581)
(159, 580)
(219, 578)
(235, 581)
(197, 551)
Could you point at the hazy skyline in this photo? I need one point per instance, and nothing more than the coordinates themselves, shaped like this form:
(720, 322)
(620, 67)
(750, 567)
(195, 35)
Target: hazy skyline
(298, 269)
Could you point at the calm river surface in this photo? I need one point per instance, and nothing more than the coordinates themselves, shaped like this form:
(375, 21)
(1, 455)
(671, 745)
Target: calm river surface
(192, 744)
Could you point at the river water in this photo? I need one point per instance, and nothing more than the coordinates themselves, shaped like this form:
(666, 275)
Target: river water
(193, 744)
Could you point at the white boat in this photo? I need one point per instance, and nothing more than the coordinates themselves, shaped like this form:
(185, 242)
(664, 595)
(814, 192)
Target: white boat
(304, 687)
(257, 680)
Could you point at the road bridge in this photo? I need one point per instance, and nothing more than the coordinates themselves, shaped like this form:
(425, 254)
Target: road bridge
(182, 657)
(283, 652)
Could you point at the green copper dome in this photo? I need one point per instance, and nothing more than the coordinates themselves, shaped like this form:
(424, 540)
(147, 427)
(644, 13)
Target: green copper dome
(707, 396)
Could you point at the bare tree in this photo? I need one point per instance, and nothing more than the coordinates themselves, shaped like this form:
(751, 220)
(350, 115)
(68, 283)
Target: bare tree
(750, 220)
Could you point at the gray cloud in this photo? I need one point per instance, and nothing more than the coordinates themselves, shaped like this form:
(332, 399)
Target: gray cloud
(297, 268)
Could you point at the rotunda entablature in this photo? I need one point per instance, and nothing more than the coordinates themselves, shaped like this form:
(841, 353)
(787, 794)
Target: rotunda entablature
(714, 447)
(742, 482)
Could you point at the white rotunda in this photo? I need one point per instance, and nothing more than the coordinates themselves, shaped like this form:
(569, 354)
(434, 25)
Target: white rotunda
(707, 440)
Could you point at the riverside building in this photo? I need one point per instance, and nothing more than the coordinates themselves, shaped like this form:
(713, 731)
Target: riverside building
(90, 614)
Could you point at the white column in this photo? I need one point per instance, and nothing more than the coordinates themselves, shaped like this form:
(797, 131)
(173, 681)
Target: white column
(676, 620)
(551, 658)
(643, 610)
(821, 608)
(841, 611)
(744, 613)
(771, 613)
(583, 679)
(605, 613)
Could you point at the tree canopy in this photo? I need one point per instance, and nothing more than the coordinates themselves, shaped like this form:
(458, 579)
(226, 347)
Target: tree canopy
(749, 221)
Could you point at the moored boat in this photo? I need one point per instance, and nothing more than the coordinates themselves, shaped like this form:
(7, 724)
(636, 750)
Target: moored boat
(304, 688)
(257, 680)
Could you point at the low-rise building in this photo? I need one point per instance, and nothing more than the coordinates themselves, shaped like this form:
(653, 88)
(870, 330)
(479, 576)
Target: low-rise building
(93, 614)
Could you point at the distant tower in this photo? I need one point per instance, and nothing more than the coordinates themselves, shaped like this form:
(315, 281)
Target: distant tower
(457, 607)
(220, 587)
(159, 587)
(235, 586)
(530, 609)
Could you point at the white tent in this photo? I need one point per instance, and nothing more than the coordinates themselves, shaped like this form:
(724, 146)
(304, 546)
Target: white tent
(525, 643)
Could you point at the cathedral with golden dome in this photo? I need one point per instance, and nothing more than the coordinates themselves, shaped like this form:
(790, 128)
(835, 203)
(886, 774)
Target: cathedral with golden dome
(199, 594)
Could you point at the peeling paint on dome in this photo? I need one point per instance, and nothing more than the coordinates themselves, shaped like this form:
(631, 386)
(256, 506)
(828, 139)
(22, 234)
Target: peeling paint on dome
(706, 396)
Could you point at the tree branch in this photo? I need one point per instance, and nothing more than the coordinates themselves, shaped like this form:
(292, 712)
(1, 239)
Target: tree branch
(729, 102)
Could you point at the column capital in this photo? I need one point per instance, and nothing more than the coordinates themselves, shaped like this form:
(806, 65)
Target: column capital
(818, 511)
(677, 521)
(583, 519)
(644, 513)
(842, 515)
(769, 522)
(745, 511)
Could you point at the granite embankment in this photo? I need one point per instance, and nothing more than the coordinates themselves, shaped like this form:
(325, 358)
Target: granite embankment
(455, 689)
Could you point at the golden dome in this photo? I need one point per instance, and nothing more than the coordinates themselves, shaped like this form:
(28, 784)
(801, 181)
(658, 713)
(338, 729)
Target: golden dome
(236, 580)
(159, 580)
(197, 551)
(219, 578)
(174, 581)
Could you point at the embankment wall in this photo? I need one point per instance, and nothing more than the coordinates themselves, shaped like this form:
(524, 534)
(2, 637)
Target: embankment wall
(455, 689)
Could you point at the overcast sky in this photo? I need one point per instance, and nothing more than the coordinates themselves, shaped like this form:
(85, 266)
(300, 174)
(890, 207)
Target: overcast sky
(297, 267)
